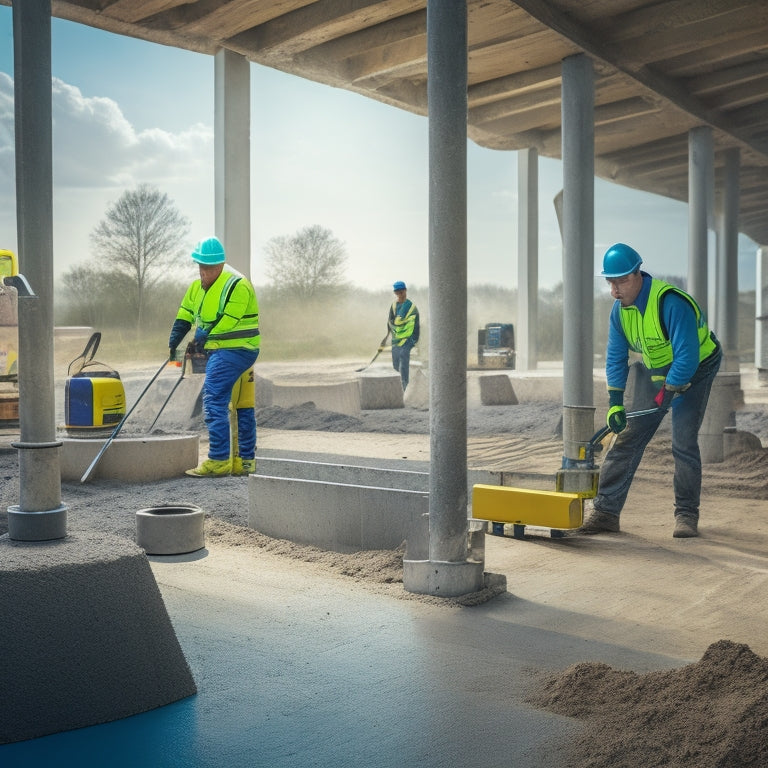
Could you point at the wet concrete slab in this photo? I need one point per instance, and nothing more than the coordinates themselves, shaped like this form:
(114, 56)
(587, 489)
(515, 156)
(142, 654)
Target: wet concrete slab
(298, 668)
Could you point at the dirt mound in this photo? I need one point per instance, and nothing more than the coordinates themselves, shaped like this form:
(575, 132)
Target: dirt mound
(711, 714)
(306, 416)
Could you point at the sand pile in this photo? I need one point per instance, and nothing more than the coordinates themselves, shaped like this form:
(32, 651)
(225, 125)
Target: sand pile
(711, 714)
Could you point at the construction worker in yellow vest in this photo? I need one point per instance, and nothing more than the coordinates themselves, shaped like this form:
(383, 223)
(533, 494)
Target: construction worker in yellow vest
(681, 357)
(223, 308)
(403, 324)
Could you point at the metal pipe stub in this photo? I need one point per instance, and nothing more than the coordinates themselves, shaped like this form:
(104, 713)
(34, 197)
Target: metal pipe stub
(39, 515)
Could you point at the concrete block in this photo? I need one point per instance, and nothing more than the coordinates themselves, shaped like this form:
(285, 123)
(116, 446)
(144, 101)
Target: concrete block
(496, 389)
(133, 459)
(402, 479)
(537, 388)
(347, 508)
(340, 397)
(333, 516)
(416, 394)
(381, 391)
(343, 473)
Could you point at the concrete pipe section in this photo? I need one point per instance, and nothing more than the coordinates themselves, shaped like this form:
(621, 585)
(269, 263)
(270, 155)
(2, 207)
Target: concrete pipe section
(170, 530)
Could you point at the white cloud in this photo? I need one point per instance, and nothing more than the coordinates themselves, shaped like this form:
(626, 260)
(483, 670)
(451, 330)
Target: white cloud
(95, 146)
(97, 155)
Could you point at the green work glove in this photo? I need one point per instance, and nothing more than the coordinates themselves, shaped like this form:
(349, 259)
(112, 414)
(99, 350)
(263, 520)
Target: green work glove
(616, 419)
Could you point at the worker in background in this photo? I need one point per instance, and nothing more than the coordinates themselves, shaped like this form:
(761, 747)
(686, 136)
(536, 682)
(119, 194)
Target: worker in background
(223, 308)
(403, 324)
(681, 356)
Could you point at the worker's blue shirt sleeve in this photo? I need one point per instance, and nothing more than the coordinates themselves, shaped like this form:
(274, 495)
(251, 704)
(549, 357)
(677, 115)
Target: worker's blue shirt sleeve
(617, 352)
(680, 321)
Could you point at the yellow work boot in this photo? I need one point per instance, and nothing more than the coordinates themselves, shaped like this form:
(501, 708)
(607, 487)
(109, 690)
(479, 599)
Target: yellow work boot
(243, 466)
(212, 468)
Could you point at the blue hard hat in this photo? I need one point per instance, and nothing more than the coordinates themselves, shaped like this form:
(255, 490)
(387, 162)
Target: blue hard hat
(209, 252)
(620, 260)
(399, 286)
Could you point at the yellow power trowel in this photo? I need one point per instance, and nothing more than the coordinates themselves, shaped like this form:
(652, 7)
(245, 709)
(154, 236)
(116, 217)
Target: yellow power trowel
(547, 513)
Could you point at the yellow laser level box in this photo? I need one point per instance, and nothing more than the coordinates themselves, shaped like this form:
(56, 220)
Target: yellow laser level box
(94, 396)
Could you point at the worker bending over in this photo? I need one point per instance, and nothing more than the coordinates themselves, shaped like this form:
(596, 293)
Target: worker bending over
(682, 356)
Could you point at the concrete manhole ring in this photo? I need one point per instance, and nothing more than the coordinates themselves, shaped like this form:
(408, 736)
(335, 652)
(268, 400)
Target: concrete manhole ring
(170, 529)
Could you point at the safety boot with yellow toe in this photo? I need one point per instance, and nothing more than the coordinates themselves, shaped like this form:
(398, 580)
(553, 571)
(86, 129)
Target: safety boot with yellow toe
(243, 466)
(211, 468)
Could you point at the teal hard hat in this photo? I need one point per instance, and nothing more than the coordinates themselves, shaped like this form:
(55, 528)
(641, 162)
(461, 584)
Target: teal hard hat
(209, 252)
(620, 260)
(399, 286)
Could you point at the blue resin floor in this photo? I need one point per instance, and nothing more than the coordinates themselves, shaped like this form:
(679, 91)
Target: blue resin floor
(297, 667)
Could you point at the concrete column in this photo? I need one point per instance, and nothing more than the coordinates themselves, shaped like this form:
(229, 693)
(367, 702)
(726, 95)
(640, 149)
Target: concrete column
(701, 175)
(527, 357)
(761, 315)
(232, 157)
(727, 289)
(578, 137)
(39, 515)
(448, 571)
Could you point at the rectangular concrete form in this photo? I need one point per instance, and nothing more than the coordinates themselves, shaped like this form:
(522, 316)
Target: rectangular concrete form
(378, 477)
(335, 516)
(347, 508)
(341, 397)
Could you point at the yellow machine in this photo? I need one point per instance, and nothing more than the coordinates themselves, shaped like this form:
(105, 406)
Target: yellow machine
(8, 264)
(9, 342)
(553, 513)
(94, 398)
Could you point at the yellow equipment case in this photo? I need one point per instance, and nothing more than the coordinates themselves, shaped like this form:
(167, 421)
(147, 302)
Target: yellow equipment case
(94, 397)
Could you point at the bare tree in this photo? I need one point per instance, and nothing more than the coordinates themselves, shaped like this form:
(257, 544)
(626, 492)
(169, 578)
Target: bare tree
(308, 263)
(141, 236)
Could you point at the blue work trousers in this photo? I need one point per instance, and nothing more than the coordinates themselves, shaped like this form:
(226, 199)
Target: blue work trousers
(224, 368)
(621, 462)
(401, 361)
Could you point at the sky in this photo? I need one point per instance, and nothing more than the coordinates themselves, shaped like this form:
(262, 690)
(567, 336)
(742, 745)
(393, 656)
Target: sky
(128, 112)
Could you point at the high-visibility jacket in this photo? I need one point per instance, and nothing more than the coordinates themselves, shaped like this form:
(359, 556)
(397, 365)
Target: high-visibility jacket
(403, 322)
(228, 311)
(646, 334)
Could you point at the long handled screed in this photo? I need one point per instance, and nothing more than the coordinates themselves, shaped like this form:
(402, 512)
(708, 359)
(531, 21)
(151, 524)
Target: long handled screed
(170, 395)
(378, 352)
(117, 429)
